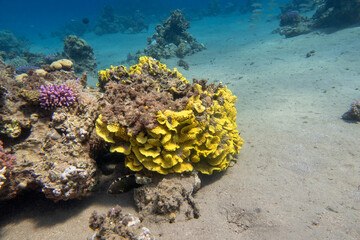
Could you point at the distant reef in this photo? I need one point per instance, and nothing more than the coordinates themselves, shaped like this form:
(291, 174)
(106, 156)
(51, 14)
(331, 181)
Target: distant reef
(170, 40)
(330, 14)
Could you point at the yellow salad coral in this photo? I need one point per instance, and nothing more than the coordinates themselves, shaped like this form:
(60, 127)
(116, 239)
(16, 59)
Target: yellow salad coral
(163, 123)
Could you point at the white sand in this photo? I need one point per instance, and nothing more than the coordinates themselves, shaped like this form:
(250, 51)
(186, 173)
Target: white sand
(298, 174)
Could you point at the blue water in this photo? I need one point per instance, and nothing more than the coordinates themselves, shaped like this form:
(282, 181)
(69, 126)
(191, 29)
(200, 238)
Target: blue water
(26, 18)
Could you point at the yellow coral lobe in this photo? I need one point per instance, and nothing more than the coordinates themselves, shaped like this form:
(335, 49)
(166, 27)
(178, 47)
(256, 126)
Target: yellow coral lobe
(195, 158)
(102, 131)
(183, 167)
(169, 146)
(150, 152)
(122, 133)
(125, 149)
(141, 138)
(154, 142)
(168, 161)
(190, 132)
(113, 127)
(166, 138)
(159, 130)
(199, 108)
(133, 164)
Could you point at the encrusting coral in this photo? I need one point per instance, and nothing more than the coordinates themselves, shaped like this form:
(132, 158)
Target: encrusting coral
(163, 123)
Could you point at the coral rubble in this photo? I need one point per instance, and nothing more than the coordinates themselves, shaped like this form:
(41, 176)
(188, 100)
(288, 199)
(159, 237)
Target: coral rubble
(116, 225)
(164, 124)
(49, 136)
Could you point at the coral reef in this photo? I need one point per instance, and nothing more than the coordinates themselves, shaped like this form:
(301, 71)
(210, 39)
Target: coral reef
(169, 198)
(51, 147)
(354, 113)
(291, 18)
(26, 60)
(329, 14)
(336, 13)
(79, 51)
(9, 43)
(116, 225)
(293, 24)
(171, 40)
(162, 123)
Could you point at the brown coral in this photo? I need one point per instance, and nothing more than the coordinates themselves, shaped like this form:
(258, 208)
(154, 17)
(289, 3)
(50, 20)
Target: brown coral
(133, 99)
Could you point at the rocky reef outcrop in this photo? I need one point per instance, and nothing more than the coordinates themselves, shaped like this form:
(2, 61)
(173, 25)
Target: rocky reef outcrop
(353, 115)
(46, 121)
(81, 53)
(170, 40)
(332, 14)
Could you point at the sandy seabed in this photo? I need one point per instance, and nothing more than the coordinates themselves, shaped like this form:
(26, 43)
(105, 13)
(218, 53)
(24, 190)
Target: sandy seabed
(298, 173)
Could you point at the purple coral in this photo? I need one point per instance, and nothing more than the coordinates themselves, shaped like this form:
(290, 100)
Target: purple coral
(56, 96)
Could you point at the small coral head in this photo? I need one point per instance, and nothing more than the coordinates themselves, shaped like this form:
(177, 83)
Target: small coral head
(54, 96)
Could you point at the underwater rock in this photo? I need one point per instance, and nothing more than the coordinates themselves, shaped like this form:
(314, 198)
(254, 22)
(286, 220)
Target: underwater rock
(183, 64)
(80, 52)
(169, 198)
(171, 40)
(50, 146)
(329, 14)
(293, 24)
(9, 43)
(353, 114)
(116, 225)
